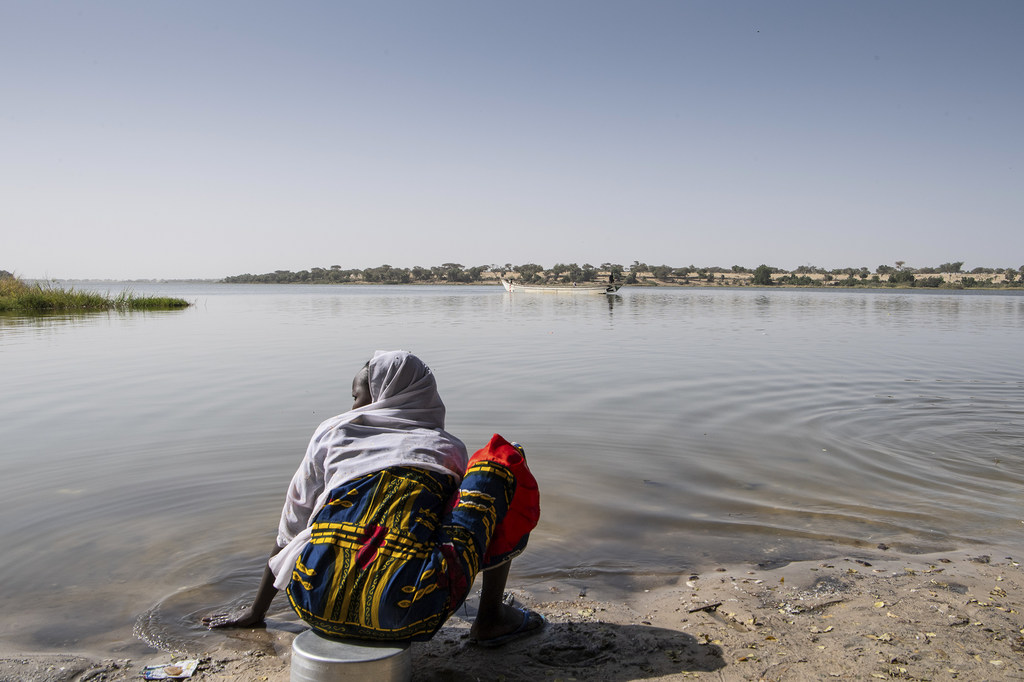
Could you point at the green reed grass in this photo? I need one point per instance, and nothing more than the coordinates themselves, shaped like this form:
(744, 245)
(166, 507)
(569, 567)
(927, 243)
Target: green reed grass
(19, 296)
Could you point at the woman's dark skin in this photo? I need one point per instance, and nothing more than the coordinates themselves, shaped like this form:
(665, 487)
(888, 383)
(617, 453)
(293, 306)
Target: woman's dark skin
(494, 618)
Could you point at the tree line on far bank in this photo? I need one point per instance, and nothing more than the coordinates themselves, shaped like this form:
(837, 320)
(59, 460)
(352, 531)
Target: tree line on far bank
(946, 275)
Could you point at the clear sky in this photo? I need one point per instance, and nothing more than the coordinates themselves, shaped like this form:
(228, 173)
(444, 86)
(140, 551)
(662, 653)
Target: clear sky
(203, 139)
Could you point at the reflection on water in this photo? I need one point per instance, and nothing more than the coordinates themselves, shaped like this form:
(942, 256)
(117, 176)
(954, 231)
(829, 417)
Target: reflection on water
(146, 455)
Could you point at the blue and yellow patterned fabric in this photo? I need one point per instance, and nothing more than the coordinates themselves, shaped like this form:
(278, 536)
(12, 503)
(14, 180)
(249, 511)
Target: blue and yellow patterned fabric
(391, 558)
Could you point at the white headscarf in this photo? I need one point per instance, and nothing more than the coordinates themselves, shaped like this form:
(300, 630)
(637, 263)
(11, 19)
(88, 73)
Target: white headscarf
(402, 426)
(403, 393)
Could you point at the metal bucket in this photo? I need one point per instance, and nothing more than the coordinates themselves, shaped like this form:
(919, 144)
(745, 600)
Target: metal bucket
(318, 659)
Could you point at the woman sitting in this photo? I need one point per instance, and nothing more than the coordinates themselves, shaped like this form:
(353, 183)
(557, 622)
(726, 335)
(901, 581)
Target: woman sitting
(387, 520)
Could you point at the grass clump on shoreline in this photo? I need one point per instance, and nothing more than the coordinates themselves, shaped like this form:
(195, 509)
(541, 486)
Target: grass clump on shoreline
(19, 296)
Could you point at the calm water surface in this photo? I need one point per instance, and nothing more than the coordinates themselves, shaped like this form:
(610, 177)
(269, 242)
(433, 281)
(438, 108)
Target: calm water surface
(146, 455)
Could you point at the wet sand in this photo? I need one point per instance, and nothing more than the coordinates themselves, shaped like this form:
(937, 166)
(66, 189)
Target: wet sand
(954, 615)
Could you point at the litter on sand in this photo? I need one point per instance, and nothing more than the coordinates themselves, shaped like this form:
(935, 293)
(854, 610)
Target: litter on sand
(170, 671)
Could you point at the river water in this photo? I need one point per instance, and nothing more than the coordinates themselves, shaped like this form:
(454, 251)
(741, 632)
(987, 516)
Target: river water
(146, 455)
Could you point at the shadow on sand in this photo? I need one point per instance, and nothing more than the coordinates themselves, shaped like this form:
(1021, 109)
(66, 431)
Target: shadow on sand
(603, 651)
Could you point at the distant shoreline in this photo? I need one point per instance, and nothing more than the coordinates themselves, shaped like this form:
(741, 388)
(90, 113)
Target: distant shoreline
(945, 276)
(898, 276)
(646, 283)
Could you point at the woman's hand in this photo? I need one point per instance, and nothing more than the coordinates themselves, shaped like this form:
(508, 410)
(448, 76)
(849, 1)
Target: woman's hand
(241, 617)
(251, 616)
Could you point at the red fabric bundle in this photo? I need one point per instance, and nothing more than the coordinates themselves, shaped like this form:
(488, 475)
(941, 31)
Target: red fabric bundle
(524, 511)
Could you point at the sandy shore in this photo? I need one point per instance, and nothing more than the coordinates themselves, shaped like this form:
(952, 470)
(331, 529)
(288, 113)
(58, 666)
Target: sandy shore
(878, 615)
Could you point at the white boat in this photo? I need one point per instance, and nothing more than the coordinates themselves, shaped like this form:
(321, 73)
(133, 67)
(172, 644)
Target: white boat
(585, 288)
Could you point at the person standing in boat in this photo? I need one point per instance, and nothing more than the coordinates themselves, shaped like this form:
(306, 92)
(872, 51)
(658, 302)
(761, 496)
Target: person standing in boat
(388, 520)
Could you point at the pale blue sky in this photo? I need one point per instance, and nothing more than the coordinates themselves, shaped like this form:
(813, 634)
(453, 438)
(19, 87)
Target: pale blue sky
(203, 139)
